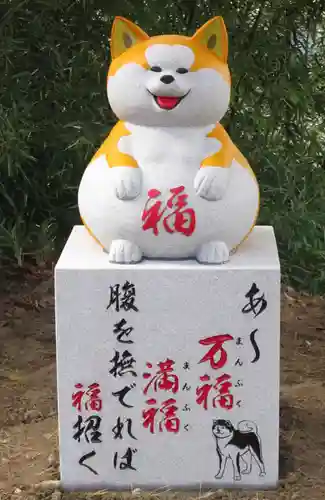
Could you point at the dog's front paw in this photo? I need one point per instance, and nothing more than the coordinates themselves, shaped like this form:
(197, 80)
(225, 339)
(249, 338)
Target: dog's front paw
(124, 252)
(214, 252)
(211, 182)
(127, 182)
(218, 476)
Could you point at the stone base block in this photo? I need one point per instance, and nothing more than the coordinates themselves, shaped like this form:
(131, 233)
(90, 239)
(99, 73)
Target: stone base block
(168, 372)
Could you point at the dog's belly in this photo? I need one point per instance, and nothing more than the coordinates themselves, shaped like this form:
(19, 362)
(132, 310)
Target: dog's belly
(233, 450)
(174, 231)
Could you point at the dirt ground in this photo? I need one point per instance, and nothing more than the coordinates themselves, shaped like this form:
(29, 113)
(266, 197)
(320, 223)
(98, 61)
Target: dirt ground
(28, 422)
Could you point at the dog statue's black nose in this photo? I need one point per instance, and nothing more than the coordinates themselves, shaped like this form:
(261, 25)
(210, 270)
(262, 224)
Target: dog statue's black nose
(167, 79)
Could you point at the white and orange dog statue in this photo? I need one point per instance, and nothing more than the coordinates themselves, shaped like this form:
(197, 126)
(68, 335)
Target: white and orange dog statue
(168, 183)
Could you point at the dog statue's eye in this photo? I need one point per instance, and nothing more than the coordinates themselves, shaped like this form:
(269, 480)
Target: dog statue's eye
(182, 71)
(156, 69)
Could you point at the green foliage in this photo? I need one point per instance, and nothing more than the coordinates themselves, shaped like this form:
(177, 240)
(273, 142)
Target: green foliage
(54, 113)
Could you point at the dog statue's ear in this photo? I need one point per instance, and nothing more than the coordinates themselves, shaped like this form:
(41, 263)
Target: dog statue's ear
(214, 421)
(213, 35)
(125, 35)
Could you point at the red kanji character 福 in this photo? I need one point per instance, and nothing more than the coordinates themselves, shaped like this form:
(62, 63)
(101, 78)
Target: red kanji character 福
(94, 401)
(170, 420)
(224, 397)
(91, 397)
(222, 386)
(217, 347)
(180, 220)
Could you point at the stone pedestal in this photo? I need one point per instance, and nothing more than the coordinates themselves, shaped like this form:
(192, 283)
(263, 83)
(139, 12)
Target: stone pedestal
(168, 372)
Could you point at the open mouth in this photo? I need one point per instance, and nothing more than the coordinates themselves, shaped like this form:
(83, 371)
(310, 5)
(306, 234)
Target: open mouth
(168, 102)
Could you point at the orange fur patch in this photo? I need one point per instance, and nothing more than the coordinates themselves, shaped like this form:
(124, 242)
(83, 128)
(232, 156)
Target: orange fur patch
(110, 150)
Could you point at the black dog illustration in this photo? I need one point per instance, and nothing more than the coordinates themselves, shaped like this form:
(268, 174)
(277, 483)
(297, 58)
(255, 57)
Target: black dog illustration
(235, 444)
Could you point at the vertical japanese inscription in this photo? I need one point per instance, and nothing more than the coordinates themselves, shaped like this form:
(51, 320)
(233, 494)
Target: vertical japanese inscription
(255, 306)
(161, 413)
(245, 440)
(88, 428)
(216, 392)
(122, 299)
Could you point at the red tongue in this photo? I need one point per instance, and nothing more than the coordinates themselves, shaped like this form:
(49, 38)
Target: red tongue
(167, 102)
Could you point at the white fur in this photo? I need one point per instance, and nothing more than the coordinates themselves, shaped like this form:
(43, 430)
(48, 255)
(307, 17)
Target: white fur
(129, 90)
(167, 157)
(170, 56)
(169, 146)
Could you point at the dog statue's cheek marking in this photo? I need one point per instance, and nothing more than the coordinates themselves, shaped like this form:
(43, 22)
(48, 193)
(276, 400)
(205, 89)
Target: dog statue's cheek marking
(130, 70)
(126, 90)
